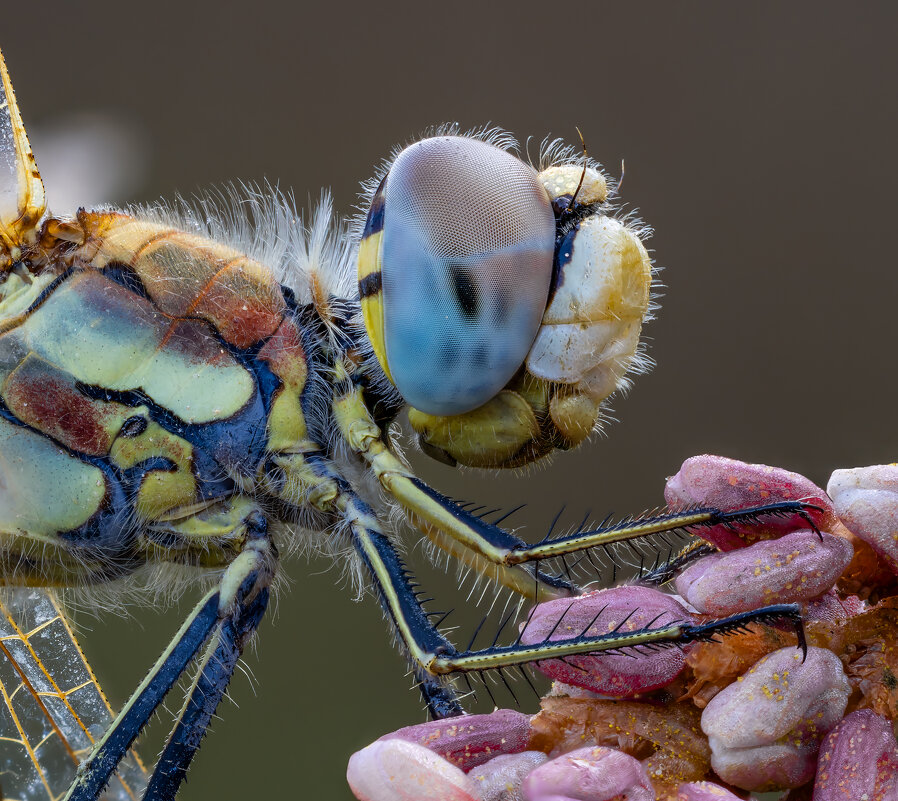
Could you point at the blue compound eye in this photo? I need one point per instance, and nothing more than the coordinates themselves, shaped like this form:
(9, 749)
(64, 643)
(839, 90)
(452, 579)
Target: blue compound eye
(468, 239)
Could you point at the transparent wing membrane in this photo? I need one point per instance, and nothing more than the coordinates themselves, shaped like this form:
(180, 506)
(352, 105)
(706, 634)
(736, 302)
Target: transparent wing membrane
(52, 707)
(22, 201)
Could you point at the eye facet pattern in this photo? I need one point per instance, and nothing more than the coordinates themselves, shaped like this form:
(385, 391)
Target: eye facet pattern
(465, 264)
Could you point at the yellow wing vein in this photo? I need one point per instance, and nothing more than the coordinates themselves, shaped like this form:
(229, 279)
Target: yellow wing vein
(71, 635)
(92, 681)
(58, 693)
(41, 627)
(24, 737)
(31, 669)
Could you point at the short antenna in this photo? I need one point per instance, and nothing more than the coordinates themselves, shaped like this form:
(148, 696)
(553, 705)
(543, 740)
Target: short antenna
(582, 174)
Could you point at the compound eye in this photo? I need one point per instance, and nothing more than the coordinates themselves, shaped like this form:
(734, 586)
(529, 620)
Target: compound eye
(465, 264)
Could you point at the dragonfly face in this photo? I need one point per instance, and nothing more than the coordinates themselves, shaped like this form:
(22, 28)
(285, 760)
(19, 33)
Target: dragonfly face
(196, 396)
(503, 303)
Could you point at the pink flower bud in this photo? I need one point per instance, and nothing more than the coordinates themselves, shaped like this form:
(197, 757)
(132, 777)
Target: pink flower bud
(704, 791)
(395, 770)
(470, 740)
(589, 774)
(830, 608)
(728, 484)
(500, 779)
(866, 500)
(765, 729)
(858, 759)
(628, 607)
(796, 567)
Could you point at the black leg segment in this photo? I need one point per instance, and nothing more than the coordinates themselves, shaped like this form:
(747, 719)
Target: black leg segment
(94, 773)
(215, 673)
(225, 618)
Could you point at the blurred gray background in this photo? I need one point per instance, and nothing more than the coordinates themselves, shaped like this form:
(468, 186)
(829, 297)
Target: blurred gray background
(760, 142)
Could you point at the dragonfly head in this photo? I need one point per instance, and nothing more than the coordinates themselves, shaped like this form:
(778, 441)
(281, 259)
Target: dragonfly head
(502, 302)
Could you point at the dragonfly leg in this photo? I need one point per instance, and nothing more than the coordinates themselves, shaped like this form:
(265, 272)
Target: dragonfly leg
(397, 595)
(656, 524)
(431, 654)
(225, 617)
(669, 635)
(432, 511)
(480, 545)
(436, 655)
(309, 478)
(497, 545)
(304, 479)
(242, 601)
(483, 544)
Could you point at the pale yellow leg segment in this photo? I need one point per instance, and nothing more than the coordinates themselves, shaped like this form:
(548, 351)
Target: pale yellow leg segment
(299, 483)
(524, 584)
(203, 534)
(638, 530)
(364, 436)
(493, 658)
(443, 528)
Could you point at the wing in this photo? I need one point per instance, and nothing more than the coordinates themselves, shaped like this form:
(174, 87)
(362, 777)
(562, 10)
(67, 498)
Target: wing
(22, 201)
(52, 706)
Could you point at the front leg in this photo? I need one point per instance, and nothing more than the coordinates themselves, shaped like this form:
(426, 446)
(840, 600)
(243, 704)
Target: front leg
(438, 657)
(487, 547)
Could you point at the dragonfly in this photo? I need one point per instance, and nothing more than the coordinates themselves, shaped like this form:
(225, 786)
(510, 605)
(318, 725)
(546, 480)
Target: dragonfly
(203, 387)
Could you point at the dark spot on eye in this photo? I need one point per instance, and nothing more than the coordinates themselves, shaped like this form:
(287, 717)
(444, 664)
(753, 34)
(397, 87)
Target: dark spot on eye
(479, 357)
(448, 356)
(501, 308)
(133, 427)
(465, 290)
